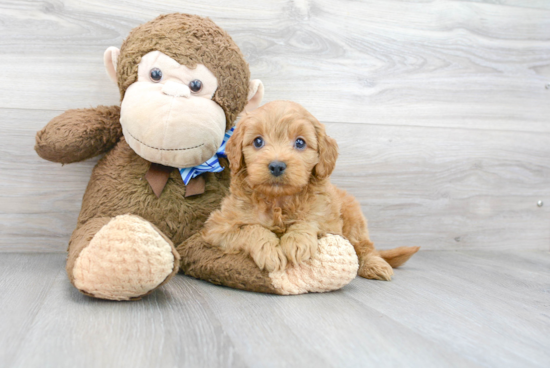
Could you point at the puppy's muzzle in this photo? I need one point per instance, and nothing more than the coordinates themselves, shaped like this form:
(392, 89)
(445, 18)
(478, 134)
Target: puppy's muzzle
(277, 168)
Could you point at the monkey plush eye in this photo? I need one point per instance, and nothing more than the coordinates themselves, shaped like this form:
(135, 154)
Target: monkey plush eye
(156, 74)
(195, 85)
(258, 142)
(300, 144)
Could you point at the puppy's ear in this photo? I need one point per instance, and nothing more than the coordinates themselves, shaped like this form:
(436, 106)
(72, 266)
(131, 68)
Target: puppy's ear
(234, 148)
(328, 152)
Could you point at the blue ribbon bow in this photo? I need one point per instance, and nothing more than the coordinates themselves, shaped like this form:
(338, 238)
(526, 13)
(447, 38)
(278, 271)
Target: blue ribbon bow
(211, 165)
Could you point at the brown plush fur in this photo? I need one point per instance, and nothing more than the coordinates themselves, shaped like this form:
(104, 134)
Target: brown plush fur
(204, 261)
(279, 219)
(190, 40)
(79, 134)
(117, 185)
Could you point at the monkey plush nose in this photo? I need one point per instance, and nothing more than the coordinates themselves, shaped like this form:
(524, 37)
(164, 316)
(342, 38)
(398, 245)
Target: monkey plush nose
(277, 168)
(176, 89)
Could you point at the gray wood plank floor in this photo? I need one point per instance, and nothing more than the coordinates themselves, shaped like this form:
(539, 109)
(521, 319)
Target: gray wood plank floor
(444, 308)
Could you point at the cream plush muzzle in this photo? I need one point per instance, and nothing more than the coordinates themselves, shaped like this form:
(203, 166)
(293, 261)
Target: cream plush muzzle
(167, 123)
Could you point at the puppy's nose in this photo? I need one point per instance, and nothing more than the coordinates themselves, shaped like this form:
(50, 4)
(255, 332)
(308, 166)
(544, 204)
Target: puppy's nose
(277, 168)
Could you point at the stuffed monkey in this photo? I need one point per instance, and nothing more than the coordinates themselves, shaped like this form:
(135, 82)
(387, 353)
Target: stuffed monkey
(183, 82)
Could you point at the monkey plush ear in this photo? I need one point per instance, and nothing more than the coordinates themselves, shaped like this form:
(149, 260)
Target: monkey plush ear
(255, 95)
(110, 59)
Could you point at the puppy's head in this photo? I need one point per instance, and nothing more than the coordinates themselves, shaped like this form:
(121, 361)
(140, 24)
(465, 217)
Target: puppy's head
(280, 148)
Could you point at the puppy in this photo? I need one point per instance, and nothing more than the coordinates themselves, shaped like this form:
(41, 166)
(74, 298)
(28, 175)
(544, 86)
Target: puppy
(281, 200)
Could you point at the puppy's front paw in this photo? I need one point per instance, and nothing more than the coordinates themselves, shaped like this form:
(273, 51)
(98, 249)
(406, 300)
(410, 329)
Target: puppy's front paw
(299, 247)
(374, 267)
(269, 255)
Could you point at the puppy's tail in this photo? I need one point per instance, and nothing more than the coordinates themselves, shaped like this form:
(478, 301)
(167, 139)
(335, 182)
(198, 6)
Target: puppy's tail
(397, 256)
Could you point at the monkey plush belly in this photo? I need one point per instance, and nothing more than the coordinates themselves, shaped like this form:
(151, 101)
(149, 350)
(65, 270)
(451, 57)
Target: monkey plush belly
(118, 187)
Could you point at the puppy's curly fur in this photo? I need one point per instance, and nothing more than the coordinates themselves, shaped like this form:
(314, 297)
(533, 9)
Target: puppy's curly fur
(279, 218)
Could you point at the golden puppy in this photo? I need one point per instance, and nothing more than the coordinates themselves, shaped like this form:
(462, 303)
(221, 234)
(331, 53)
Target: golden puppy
(281, 199)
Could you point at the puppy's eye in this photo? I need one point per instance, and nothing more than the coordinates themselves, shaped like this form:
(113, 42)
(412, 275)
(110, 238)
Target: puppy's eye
(258, 142)
(195, 85)
(155, 74)
(300, 144)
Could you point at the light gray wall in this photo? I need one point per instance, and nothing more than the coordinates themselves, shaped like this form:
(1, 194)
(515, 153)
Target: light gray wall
(439, 107)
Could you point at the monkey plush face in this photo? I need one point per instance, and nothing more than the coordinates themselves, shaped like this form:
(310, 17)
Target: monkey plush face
(168, 115)
(183, 81)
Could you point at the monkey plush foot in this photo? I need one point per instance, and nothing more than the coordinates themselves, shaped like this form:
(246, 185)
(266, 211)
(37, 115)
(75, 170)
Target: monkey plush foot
(125, 259)
(334, 266)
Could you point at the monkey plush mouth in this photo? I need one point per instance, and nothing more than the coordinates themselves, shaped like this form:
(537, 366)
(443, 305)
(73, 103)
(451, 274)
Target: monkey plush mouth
(165, 149)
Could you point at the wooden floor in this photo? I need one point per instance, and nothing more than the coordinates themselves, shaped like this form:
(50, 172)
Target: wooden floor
(444, 308)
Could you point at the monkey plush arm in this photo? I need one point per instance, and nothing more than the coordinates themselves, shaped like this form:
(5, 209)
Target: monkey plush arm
(79, 134)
